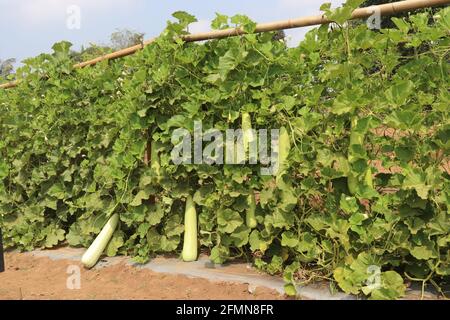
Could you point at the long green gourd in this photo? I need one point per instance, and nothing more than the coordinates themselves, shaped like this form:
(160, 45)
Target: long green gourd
(190, 251)
(155, 163)
(247, 131)
(356, 138)
(93, 253)
(250, 218)
(284, 148)
(248, 137)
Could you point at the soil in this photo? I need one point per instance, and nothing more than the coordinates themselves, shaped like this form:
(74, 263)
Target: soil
(33, 278)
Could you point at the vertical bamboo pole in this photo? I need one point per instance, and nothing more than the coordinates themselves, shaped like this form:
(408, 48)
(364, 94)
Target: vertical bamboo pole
(2, 258)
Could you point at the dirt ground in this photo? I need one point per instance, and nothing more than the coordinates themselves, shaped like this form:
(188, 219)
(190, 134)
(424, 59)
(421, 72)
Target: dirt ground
(31, 278)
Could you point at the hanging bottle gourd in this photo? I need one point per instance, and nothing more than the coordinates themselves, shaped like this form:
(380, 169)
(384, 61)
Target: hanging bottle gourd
(190, 251)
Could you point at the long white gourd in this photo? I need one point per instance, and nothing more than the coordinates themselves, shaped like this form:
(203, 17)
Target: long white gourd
(283, 151)
(247, 132)
(93, 253)
(190, 252)
(250, 218)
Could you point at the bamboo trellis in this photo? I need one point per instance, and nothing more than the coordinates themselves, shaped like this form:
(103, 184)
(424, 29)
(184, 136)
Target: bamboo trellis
(383, 10)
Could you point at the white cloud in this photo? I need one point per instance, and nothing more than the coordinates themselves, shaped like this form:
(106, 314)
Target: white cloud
(308, 5)
(41, 11)
(200, 26)
(294, 36)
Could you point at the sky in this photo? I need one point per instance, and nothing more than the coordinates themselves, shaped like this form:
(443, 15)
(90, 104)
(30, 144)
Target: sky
(31, 27)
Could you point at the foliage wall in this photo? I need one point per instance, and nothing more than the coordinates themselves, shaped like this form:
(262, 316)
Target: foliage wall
(72, 145)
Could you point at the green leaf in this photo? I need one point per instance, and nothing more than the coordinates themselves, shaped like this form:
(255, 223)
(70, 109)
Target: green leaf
(290, 290)
(357, 218)
(257, 242)
(54, 236)
(4, 170)
(230, 60)
(416, 179)
(404, 154)
(243, 21)
(240, 236)
(347, 101)
(184, 18)
(114, 244)
(422, 252)
(178, 121)
(275, 266)
(348, 204)
(57, 191)
(401, 24)
(74, 237)
(191, 107)
(344, 280)
(62, 47)
(228, 220)
(220, 22)
(289, 239)
(341, 14)
(174, 226)
(155, 215)
(141, 195)
(219, 254)
(392, 287)
(169, 244)
(400, 92)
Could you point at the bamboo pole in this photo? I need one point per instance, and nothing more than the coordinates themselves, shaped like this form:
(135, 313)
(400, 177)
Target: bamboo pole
(8, 85)
(115, 55)
(2, 257)
(383, 9)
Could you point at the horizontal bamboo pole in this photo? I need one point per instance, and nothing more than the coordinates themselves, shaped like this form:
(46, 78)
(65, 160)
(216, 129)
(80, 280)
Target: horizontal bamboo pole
(8, 85)
(115, 55)
(383, 9)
